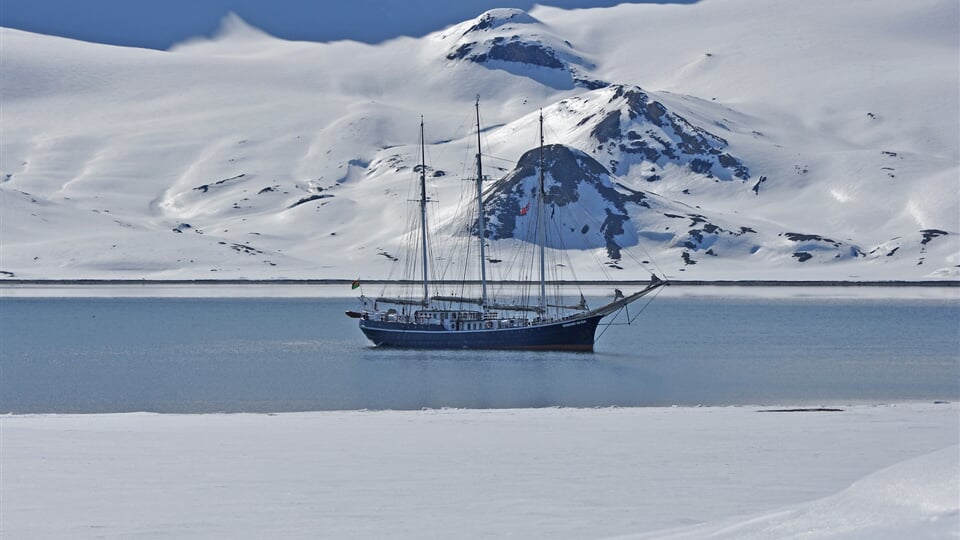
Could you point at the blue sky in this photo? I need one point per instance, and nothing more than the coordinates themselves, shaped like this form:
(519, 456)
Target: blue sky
(159, 24)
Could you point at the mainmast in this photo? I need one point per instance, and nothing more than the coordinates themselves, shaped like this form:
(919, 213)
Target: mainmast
(541, 225)
(481, 228)
(423, 211)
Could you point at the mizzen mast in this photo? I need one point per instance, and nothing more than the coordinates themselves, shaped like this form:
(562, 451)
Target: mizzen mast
(541, 225)
(423, 212)
(481, 227)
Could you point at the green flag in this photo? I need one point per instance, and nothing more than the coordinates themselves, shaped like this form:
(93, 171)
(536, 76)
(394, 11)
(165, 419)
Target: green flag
(355, 284)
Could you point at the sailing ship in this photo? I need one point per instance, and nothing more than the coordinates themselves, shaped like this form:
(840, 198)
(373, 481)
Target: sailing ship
(435, 321)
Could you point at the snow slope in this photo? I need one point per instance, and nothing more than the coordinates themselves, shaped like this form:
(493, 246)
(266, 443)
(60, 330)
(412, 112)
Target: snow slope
(916, 499)
(728, 472)
(829, 131)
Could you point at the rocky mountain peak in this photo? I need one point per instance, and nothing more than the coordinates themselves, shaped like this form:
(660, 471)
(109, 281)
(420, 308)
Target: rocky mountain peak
(579, 194)
(632, 128)
(496, 18)
(514, 41)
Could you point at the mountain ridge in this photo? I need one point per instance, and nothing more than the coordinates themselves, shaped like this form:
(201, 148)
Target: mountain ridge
(292, 159)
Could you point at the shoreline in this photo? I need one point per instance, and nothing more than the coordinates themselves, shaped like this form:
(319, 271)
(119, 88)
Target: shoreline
(675, 283)
(790, 407)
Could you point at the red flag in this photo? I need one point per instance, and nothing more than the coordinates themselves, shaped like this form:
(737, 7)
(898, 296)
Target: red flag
(525, 209)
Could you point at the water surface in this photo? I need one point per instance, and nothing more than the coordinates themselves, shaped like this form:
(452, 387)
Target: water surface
(77, 354)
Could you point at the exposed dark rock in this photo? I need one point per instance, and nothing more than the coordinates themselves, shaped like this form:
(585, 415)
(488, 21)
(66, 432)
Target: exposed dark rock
(206, 187)
(798, 237)
(613, 226)
(634, 196)
(462, 51)
(608, 128)
(244, 248)
(701, 166)
(638, 126)
(756, 187)
(310, 198)
(525, 53)
(567, 171)
(930, 234)
(590, 84)
(802, 256)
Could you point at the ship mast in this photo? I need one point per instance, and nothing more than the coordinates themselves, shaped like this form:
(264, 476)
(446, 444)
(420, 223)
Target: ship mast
(423, 211)
(541, 225)
(481, 227)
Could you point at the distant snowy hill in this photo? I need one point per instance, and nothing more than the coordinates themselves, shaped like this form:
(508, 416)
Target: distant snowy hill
(724, 139)
(512, 40)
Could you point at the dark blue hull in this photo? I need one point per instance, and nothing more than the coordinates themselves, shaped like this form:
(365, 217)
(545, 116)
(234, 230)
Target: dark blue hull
(565, 335)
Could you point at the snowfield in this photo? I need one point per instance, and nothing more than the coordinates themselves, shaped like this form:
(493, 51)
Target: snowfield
(780, 140)
(885, 471)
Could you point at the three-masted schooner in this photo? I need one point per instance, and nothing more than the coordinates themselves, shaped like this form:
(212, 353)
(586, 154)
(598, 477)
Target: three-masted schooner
(442, 322)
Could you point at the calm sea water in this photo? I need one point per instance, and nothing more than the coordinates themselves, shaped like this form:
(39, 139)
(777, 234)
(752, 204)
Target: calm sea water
(281, 354)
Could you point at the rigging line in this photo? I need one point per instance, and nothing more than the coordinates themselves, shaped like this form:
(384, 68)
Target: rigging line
(629, 319)
(652, 260)
(456, 224)
(628, 251)
(649, 258)
(601, 264)
(572, 269)
(433, 249)
(554, 231)
(624, 249)
(643, 308)
(519, 251)
(412, 237)
(491, 156)
(404, 243)
(594, 251)
(639, 245)
(556, 137)
(606, 327)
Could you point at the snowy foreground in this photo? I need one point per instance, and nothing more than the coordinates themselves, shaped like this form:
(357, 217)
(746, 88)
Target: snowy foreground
(887, 471)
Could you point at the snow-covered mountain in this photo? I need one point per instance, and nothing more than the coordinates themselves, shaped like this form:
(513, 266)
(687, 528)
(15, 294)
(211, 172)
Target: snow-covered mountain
(722, 140)
(512, 40)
